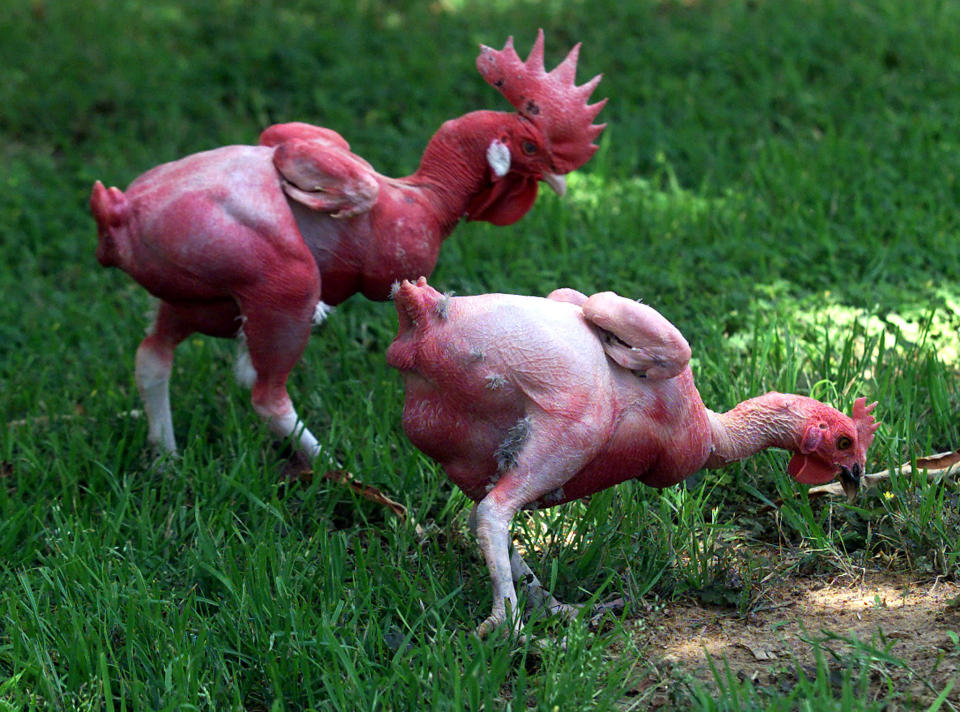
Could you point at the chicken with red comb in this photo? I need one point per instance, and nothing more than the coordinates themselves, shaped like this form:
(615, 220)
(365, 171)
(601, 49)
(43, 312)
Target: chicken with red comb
(258, 242)
(531, 402)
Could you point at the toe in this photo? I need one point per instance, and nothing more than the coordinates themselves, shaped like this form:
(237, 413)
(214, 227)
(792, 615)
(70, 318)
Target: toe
(489, 625)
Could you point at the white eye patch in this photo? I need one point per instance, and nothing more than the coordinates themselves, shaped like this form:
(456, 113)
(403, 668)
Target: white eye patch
(498, 156)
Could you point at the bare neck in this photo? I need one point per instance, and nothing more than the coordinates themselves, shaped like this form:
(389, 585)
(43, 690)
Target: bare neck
(770, 420)
(454, 166)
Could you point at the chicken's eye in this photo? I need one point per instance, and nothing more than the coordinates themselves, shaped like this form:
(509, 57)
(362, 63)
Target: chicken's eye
(529, 147)
(843, 442)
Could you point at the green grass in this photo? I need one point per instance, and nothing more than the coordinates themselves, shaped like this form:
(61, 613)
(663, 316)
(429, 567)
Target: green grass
(778, 178)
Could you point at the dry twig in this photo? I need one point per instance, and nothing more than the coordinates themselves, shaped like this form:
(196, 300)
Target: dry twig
(934, 466)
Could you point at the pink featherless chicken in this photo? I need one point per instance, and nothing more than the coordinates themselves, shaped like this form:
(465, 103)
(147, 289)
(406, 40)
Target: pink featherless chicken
(258, 242)
(530, 402)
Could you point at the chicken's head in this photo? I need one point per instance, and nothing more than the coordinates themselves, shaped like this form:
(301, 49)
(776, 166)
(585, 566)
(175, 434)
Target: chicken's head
(518, 160)
(831, 443)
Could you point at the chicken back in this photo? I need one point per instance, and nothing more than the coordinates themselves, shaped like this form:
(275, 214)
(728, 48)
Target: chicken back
(503, 385)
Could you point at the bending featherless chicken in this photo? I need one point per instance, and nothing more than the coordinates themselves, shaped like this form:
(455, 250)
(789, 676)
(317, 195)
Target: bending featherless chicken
(529, 402)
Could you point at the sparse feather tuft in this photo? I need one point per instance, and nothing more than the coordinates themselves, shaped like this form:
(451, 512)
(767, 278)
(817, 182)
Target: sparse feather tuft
(243, 369)
(495, 382)
(509, 450)
(321, 312)
(442, 307)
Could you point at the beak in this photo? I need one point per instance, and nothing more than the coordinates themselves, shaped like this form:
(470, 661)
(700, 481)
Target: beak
(850, 481)
(557, 182)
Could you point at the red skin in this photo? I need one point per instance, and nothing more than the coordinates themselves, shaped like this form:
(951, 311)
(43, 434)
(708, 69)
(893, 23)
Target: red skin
(600, 417)
(529, 402)
(260, 241)
(216, 224)
(237, 236)
(557, 371)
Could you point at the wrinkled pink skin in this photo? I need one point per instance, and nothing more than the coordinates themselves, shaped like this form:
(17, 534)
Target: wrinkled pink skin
(265, 237)
(529, 402)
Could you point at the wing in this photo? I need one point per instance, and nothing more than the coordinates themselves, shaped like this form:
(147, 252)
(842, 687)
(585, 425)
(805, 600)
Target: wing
(319, 170)
(566, 294)
(638, 337)
(281, 133)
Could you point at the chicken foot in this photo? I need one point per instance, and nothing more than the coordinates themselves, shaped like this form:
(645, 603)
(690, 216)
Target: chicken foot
(537, 596)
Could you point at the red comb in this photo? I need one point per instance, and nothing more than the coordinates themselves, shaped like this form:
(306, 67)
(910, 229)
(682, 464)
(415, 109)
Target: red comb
(865, 423)
(551, 100)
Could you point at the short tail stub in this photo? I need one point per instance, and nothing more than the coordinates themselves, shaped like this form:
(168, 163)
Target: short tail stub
(415, 303)
(110, 210)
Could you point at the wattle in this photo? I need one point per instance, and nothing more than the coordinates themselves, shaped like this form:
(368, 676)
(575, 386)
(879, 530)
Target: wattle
(504, 202)
(809, 471)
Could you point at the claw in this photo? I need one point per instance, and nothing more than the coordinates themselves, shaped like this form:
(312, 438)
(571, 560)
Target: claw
(488, 626)
(496, 620)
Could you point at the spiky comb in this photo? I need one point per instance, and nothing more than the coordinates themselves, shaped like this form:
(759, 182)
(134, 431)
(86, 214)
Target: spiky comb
(551, 100)
(865, 423)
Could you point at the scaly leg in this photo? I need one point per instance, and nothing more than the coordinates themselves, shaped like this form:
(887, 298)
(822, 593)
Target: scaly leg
(538, 597)
(153, 364)
(275, 341)
(154, 360)
(492, 529)
(520, 573)
(537, 468)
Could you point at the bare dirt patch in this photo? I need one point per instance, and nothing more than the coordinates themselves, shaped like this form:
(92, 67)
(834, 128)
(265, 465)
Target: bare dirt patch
(901, 627)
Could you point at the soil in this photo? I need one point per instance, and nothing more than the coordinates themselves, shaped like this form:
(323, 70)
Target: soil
(900, 627)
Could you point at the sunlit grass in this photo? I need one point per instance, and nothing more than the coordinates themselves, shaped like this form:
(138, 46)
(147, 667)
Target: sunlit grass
(779, 179)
